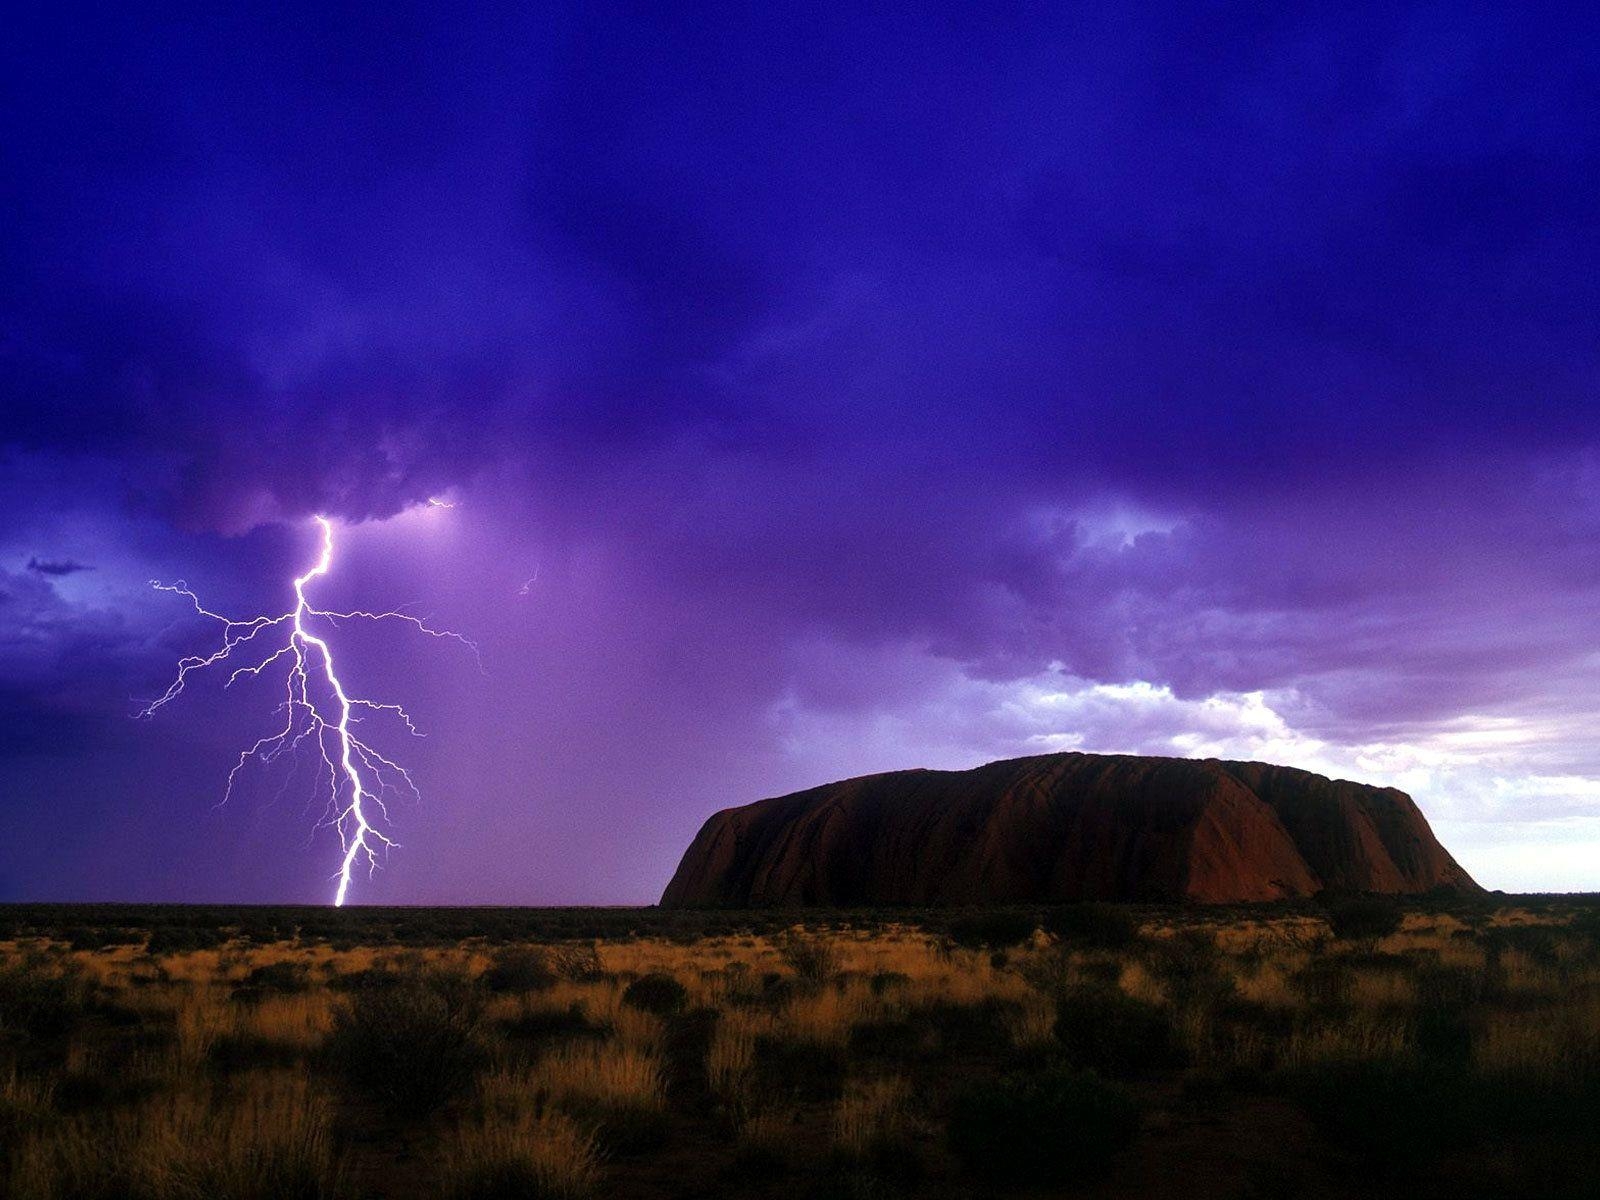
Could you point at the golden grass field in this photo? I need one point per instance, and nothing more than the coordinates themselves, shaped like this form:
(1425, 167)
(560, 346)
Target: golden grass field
(1194, 1054)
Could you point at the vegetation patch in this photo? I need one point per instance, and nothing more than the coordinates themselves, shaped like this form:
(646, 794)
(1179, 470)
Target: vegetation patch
(1052, 1128)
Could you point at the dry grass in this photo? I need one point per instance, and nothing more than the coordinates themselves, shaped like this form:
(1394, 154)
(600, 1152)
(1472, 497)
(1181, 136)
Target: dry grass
(730, 1060)
(1031, 1025)
(539, 1157)
(269, 1142)
(871, 1114)
(213, 1098)
(1357, 1037)
(607, 1076)
(1561, 1047)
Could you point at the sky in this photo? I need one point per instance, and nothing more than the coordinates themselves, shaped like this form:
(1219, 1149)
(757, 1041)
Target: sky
(809, 391)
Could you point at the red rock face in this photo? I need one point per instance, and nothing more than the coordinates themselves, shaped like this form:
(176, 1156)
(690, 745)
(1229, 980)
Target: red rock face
(1064, 827)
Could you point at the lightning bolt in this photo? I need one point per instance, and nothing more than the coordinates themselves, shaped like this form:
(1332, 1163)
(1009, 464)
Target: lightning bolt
(319, 712)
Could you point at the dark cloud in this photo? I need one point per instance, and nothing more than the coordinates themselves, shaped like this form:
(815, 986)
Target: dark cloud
(57, 567)
(1216, 350)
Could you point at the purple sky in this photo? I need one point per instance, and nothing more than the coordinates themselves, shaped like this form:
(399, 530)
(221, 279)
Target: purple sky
(849, 393)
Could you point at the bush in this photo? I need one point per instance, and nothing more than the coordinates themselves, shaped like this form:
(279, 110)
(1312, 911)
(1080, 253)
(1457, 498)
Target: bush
(1114, 1033)
(413, 1046)
(1442, 985)
(272, 979)
(1101, 926)
(1053, 1127)
(369, 979)
(889, 1037)
(812, 958)
(1189, 964)
(183, 939)
(808, 1071)
(979, 1028)
(1365, 918)
(542, 1025)
(38, 1003)
(656, 993)
(520, 969)
(990, 930)
(102, 939)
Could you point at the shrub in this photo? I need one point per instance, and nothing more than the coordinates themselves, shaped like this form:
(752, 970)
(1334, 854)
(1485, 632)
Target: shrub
(1053, 1127)
(808, 1071)
(272, 979)
(369, 979)
(182, 939)
(1441, 985)
(1364, 918)
(101, 939)
(1101, 926)
(520, 969)
(814, 959)
(984, 1027)
(990, 930)
(412, 1046)
(888, 1037)
(1189, 964)
(39, 1003)
(656, 993)
(545, 1024)
(1114, 1033)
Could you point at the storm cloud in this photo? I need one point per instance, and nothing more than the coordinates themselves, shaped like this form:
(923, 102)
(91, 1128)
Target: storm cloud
(842, 387)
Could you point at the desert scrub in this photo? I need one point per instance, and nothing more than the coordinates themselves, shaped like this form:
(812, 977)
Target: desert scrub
(871, 1122)
(1113, 1033)
(1031, 1025)
(38, 1000)
(412, 1047)
(990, 930)
(26, 1106)
(1097, 926)
(615, 1087)
(1053, 1127)
(1394, 1112)
(658, 994)
(730, 1063)
(281, 978)
(270, 1143)
(543, 1156)
(1190, 966)
(812, 957)
(520, 969)
(1363, 919)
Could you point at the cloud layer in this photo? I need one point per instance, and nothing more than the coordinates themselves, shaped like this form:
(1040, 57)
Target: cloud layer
(847, 390)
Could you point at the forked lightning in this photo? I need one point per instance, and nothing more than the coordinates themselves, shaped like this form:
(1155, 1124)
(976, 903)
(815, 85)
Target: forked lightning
(319, 712)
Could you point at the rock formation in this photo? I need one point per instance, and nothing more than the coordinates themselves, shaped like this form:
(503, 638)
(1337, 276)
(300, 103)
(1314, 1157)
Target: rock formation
(1061, 827)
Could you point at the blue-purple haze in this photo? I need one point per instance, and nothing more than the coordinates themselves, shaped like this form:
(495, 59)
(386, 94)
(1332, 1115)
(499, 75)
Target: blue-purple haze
(818, 392)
